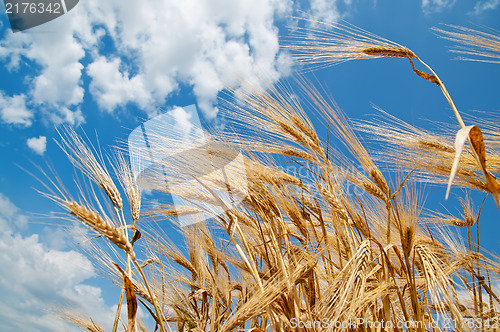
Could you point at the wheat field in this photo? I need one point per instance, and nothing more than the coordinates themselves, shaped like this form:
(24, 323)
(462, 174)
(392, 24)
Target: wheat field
(334, 247)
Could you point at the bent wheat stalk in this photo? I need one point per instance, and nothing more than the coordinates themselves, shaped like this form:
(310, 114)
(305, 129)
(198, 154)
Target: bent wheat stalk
(331, 44)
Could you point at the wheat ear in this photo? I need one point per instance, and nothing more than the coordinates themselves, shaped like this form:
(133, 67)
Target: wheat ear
(100, 225)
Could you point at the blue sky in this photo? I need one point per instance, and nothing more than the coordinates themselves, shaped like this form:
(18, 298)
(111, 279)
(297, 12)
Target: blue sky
(106, 66)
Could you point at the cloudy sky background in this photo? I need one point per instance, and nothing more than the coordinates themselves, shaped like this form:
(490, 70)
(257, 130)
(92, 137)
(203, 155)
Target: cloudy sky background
(109, 65)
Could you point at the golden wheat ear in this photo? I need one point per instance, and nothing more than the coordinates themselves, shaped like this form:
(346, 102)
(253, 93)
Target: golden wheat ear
(82, 156)
(320, 45)
(99, 224)
(123, 170)
(325, 45)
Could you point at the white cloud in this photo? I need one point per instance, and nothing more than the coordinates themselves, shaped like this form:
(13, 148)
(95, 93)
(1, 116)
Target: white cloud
(51, 54)
(37, 144)
(58, 82)
(12, 47)
(9, 215)
(207, 44)
(483, 6)
(436, 6)
(113, 88)
(325, 10)
(13, 110)
(35, 277)
(152, 48)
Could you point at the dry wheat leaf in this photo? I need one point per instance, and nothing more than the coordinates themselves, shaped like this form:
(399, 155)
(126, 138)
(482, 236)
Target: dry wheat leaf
(476, 140)
(460, 139)
(137, 236)
(131, 299)
(131, 302)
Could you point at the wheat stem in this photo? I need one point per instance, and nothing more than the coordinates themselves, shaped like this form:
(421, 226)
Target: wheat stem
(159, 312)
(446, 94)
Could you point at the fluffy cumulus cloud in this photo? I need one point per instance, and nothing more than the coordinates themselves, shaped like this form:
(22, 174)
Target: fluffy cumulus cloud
(483, 6)
(113, 87)
(436, 6)
(13, 110)
(37, 144)
(50, 59)
(208, 45)
(142, 52)
(35, 277)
